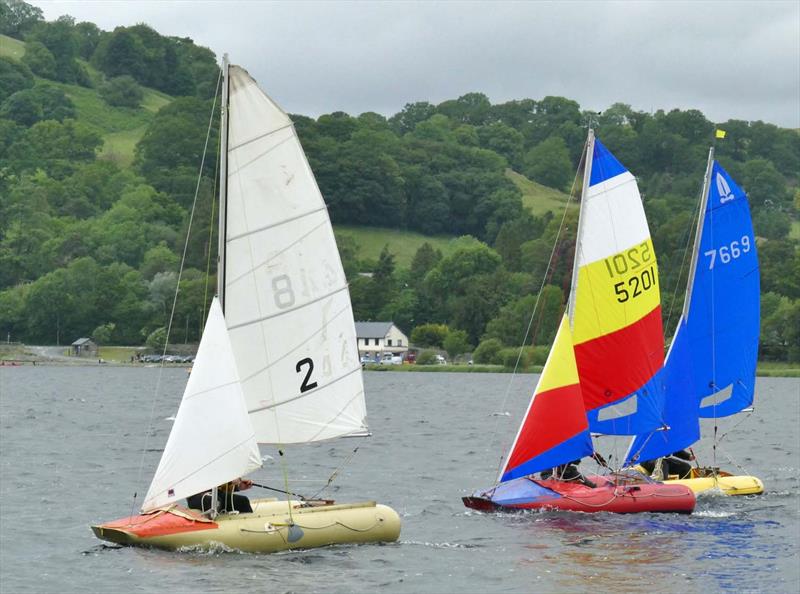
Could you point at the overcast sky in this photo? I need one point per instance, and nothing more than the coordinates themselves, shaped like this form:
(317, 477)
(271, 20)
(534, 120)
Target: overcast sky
(728, 59)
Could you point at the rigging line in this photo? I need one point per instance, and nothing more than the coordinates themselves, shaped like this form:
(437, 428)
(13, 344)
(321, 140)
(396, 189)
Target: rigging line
(300, 497)
(536, 304)
(335, 473)
(175, 297)
(686, 241)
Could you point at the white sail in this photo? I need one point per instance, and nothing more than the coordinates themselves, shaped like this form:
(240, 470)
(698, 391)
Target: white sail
(286, 300)
(212, 440)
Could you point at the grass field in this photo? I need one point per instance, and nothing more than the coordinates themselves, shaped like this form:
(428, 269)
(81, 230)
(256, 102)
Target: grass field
(538, 198)
(777, 369)
(403, 244)
(11, 48)
(794, 232)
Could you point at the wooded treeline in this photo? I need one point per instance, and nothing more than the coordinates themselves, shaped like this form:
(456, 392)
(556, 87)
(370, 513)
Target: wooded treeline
(90, 246)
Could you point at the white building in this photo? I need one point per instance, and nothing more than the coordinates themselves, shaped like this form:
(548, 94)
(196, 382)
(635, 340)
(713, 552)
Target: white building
(376, 338)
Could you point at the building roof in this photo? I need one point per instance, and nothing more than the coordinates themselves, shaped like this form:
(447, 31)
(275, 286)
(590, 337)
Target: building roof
(373, 329)
(82, 341)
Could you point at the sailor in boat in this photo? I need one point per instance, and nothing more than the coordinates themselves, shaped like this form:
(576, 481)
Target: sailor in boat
(228, 499)
(567, 472)
(677, 463)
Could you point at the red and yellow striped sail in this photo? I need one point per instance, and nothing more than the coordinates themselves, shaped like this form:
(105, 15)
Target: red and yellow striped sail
(554, 429)
(615, 305)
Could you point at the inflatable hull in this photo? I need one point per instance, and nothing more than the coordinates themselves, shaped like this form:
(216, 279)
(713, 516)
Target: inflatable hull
(705, 480)
(270, 528)
(621, 496)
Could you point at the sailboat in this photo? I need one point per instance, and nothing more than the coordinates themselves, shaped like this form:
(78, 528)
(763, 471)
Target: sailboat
(710, 370)
(277, 362)
(600, 374)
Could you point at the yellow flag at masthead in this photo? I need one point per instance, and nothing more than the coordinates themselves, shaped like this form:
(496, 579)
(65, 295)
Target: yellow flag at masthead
(720, 133)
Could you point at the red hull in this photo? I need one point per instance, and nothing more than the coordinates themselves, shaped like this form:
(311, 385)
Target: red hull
(621, 498)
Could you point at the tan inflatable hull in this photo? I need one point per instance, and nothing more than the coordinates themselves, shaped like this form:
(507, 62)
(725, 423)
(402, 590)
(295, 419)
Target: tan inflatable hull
(270, 528)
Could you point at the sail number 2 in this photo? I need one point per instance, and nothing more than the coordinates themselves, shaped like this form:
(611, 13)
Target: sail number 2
(307, 384)
(726, 253)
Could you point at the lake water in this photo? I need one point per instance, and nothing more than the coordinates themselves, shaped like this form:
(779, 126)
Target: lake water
(72, 439)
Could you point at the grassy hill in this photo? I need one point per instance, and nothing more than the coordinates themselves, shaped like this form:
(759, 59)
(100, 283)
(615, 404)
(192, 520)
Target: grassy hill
(538, 198)
(11, 48)
(403, 244)
(120, 127)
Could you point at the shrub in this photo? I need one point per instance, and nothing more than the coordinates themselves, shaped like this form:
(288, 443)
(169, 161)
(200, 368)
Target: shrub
(427, 357)
(122, 91)
(488, 352)
(429, 335)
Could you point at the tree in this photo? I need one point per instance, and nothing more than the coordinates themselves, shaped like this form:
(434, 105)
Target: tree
(122, 91)
(411, 115)
(103, 333)
(456, 342)
(549, 163)
(42, 102)
(488, 352)
(424, 260)
(59, 37)
(40, 60)
(157, 339)
(21, 108)
(14, 76)
(18, 17)
(429, 335)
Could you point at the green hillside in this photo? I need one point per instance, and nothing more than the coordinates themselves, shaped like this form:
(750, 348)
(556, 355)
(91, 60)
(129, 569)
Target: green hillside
(403, 244)
(538, 198)
(120, 127)
(11, 48)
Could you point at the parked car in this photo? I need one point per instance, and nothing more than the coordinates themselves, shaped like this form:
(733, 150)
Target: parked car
(441, 360)
(391, 359)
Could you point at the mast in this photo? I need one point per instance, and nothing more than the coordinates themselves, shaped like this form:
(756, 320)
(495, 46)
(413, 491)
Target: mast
(698, 233)
(587, 176)
(223, 186)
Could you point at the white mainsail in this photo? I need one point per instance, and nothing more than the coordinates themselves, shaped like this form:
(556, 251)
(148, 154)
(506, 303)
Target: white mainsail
(212, 440)
(287, 305)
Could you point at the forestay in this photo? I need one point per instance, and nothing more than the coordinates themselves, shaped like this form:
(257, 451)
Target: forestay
(286, 299)
(615, 305)
(212, 440)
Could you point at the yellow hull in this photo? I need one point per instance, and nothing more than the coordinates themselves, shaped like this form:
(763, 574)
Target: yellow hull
(270, 528)
(727, 485)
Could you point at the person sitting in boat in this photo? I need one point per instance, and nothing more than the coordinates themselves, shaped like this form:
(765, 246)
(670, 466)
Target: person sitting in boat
(227, 499)
(567, 472)
(675, 463)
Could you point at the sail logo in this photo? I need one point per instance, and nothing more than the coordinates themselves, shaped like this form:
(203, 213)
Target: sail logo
(724, 190)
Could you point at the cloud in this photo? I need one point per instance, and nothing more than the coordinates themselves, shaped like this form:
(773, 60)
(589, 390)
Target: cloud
(730, 60)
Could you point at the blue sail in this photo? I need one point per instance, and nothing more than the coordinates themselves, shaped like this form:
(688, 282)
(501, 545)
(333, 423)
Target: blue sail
(681, 424)
(710, 370)
(725, 311)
